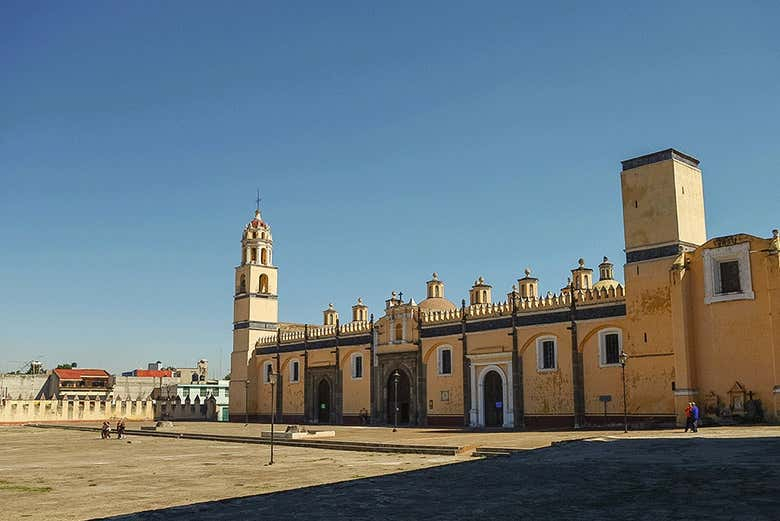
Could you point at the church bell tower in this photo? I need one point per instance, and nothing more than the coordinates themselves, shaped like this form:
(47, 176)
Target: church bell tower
(255, 305)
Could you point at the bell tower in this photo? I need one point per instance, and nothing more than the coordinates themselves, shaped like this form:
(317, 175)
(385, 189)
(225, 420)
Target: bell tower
(255, 305)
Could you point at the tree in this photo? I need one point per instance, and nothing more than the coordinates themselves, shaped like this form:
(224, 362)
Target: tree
(227, 377)
(66, 366)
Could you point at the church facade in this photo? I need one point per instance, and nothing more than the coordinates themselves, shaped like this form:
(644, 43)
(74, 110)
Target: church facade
(697, 319)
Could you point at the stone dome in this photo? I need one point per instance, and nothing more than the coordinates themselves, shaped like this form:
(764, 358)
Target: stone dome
(437, 304)
(606, 283)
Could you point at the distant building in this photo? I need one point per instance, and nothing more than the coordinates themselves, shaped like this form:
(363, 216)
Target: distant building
(200, 392)
(153, 373)
(79, 384)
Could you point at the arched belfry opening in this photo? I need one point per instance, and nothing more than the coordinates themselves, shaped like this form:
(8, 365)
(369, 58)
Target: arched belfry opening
(263, 287)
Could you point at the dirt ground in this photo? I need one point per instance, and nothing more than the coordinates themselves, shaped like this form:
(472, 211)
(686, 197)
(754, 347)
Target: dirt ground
(724, 473)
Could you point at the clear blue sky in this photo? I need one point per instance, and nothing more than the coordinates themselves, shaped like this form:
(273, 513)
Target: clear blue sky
(389, 140)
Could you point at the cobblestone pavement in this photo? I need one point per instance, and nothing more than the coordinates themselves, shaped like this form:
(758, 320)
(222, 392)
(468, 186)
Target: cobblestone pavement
(719, 478)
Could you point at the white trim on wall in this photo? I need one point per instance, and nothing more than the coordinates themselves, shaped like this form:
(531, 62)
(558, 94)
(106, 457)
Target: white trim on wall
(540, 353)
(712, 259)
(603, 346)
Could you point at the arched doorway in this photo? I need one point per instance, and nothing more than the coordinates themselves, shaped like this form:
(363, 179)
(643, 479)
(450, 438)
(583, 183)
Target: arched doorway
(323, 401)
(493, 402)
(404, 399)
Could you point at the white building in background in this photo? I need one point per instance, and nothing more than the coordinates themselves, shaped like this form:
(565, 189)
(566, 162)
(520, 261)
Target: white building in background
(219, 389)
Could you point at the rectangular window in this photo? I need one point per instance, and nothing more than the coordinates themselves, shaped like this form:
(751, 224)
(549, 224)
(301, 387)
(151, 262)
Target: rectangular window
(226, 392)
(446, 361)
(357, 367)
(267, 373)
(611, 348)
(294, 371)
(729, 277)
(548, 354)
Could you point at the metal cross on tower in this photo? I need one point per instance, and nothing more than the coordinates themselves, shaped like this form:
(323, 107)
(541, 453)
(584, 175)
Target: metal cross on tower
(257, 201)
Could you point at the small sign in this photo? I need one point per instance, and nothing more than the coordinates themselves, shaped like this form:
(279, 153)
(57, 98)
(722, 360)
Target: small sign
(499, 405)
(605, 398)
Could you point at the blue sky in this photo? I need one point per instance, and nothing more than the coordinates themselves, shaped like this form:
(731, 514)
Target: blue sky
(388, 140)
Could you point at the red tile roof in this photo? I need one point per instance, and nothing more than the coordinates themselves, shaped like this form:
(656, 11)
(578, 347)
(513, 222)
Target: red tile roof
(78, 374)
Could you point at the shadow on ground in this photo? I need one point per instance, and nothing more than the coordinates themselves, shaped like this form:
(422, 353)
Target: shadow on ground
(648, 479)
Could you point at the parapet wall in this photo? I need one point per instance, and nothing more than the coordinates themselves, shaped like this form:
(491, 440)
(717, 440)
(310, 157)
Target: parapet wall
(585, 298)
(22, 386)
(22, 411)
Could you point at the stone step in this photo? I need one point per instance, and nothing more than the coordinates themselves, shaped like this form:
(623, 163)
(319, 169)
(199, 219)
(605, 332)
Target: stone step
(441, 450)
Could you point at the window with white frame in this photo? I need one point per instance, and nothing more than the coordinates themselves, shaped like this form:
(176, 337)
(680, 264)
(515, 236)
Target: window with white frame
(357, 366)
(727, 273)
(547, 353)
(610, 347)
(445, 360)
(295, 368)
(267, 371)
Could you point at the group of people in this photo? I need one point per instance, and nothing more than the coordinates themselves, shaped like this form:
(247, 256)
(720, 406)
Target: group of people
(692, 417)
(105, 431)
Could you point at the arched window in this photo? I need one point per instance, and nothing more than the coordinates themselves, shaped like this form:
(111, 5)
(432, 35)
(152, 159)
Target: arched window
(268, 370)
(253, 255)
(242, 284)
(357, 366)
(444, 356)
(484, 296)
(263, 283)
(399, 332)
(263, 256)
(436, 291)
(295, 369)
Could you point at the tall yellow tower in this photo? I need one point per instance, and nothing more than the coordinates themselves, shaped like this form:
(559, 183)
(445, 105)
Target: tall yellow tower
(255, 307)
(663, 217)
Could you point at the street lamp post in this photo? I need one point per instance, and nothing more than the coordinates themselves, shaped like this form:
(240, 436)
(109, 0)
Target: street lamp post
(396, 377)
(274, 377)
(623, 359)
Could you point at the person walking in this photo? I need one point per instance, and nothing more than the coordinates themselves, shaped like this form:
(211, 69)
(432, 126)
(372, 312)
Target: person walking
(689, 417)
(105, 431)
(120, 428)
(695, 416)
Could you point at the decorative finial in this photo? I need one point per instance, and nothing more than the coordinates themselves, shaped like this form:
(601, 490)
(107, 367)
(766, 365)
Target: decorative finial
(393, 294)
(581, 262)
(514, 288)
(527, 272)
(330, 306)
(776, 233)
(481, 280)
(360, 301)
(606, 259)
(568, 281)
(435, 276)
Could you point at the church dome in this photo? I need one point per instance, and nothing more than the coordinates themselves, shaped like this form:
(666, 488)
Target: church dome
(606, 283)
(437, 304)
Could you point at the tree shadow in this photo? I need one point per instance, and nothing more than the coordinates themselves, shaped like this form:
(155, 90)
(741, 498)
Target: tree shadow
(736, 478)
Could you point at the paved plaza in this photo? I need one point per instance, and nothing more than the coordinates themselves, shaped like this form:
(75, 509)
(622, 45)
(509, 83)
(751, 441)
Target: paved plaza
(720, 473)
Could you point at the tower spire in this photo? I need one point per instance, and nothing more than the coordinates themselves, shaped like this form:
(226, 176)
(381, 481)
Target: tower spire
(257, 201)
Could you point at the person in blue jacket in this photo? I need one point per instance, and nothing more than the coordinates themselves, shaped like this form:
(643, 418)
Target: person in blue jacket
(695, 416)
